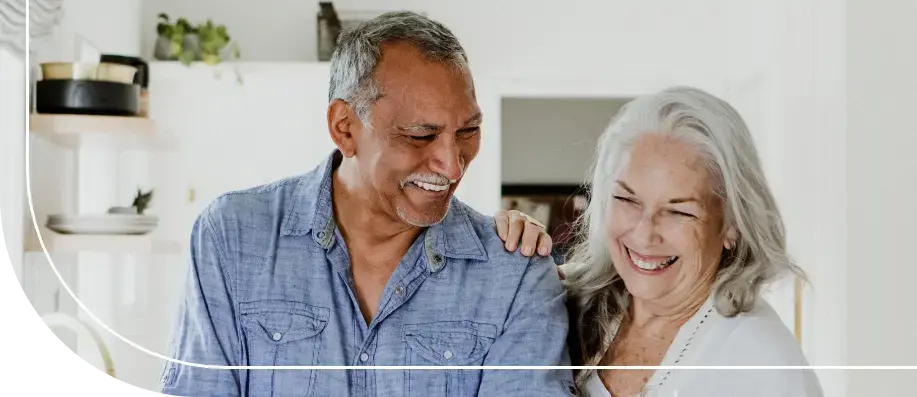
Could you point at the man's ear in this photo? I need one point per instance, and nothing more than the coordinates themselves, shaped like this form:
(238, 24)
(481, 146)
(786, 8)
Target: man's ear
(343, 124)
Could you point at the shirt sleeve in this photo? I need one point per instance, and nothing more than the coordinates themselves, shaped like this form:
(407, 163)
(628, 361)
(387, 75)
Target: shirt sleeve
(205, 330)
(535, 334)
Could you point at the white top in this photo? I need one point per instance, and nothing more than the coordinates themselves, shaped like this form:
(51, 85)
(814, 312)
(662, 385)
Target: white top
(756, 338)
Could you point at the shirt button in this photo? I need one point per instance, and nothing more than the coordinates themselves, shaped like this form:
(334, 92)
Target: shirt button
(399, 290)
(364, 357)
(437, 258)
(321, 235)
(447, 354)
(277, 336)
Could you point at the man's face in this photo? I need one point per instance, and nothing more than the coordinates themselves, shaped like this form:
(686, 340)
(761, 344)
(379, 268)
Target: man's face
(425, 130)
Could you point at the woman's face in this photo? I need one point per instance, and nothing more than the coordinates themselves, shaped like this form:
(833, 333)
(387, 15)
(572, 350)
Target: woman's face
(665, 223)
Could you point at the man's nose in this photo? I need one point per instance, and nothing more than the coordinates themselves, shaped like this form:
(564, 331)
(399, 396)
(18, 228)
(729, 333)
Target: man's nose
(447, 159)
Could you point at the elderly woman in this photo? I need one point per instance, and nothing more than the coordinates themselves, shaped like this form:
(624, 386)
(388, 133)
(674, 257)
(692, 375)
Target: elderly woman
(681, 235)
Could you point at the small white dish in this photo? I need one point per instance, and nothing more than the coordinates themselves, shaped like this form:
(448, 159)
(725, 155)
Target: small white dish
(102, 224)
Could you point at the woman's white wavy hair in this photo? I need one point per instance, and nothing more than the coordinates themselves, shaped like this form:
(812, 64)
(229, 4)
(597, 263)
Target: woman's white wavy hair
(717, 131)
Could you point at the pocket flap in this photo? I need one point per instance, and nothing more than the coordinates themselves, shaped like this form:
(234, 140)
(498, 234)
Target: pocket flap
(283, 321)
(450, 342)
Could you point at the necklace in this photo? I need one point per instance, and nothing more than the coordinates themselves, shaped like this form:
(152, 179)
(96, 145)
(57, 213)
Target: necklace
(687, 344)
(615, 327)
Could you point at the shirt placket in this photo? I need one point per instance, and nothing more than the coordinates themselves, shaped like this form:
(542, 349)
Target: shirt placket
(406, 280)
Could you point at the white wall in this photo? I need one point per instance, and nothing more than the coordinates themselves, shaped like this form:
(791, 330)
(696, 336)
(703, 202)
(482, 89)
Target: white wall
(231, 136)
(509, 38)
(882, 190)
(12, 149)
(552, 140)
(112, 26)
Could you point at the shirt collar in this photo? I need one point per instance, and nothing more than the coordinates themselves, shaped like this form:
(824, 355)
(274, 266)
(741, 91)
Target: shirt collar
(312, 213)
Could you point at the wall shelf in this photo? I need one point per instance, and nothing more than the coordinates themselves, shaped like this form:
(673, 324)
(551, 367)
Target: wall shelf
(115, 244)
(73, 130)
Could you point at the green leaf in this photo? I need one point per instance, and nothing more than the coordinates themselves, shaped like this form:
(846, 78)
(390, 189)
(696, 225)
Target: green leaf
(175, 48)
(186, 58)
(211, 59)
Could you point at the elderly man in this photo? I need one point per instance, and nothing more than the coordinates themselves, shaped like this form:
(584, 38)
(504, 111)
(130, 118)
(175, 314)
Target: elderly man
(368, 260)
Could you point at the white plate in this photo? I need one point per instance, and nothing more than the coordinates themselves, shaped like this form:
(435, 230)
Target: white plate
(88, 228)
(120, 218)
(99, 222)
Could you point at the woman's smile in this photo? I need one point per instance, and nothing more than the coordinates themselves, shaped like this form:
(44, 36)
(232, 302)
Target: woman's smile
(650, 264)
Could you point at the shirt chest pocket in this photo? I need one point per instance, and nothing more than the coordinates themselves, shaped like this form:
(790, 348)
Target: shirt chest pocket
(282, 333)
(446, 343)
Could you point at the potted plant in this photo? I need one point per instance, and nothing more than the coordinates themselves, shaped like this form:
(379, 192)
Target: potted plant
(215, 43)
(188, 43)
(179, 41)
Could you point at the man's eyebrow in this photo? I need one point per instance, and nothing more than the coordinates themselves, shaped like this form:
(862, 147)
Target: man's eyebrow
(476, 119)
(429, 127)
(421, 128)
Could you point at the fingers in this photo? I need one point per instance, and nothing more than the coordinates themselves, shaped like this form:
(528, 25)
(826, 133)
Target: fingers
(544, 243)
(530, 238)
(501, 219)
(516, 227)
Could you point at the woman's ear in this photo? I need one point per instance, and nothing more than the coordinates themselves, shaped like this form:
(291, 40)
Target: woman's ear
(732, 235)
(343, 125)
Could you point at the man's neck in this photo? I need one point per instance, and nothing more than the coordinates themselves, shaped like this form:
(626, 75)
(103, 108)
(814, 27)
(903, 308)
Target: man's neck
(364, 223)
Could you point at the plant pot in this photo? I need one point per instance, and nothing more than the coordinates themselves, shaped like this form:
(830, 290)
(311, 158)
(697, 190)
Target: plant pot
(163, 48)
(192, 42)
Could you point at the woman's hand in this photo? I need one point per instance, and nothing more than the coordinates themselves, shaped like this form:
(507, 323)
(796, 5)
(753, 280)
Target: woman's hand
(518, 230)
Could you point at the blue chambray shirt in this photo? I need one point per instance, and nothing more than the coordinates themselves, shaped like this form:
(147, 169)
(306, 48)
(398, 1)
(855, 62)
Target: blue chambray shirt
(269, 285)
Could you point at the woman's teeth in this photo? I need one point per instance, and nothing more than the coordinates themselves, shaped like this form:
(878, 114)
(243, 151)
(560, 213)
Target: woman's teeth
(655, 265)
(429, 186)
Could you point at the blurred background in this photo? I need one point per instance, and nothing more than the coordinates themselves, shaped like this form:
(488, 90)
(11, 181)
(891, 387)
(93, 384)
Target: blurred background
(241, 101)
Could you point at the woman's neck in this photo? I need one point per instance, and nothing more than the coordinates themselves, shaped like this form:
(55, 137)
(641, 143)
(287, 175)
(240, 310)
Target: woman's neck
(666, 311)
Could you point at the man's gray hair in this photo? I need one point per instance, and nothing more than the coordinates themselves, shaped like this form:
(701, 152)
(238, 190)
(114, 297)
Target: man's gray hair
(359, 49)
(598, 295)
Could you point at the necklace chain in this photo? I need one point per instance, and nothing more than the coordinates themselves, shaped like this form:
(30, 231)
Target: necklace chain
(684, 348)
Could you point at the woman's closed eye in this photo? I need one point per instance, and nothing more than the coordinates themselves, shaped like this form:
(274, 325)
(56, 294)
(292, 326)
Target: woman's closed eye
(625, 200)
(680, 213)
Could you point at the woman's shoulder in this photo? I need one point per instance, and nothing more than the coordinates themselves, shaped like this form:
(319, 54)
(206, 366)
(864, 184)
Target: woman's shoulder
(759, 337)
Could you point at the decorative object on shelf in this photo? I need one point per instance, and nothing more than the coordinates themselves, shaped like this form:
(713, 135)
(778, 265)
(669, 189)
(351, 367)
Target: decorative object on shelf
(331, 23)
(141, 78)
(178, 41)
(206, 42)
(44, 15)
(118, 220)
(215, 43)
(102, 224)
(329, 28)
(94, 71)
(95, 88)
(142, 200)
